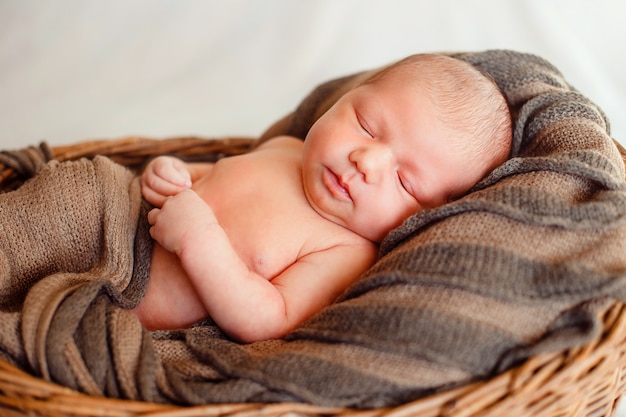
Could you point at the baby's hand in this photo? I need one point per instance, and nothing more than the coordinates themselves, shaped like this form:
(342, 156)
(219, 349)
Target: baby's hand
(164, 176)
(182, 220)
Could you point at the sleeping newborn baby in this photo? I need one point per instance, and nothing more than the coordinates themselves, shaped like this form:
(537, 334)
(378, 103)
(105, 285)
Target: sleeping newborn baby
(260, 242)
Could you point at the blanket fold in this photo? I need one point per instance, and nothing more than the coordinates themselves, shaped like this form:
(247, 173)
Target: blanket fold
(525, 263)
(72, 225)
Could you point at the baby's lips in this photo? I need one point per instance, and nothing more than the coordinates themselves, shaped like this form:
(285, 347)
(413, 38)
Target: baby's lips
(336, 186)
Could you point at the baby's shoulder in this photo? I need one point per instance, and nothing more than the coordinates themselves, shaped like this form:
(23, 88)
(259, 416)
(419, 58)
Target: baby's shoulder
(278, 153)
(287, 143)
(269, 175)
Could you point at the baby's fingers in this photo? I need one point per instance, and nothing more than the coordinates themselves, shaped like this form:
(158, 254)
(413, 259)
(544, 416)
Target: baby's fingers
(174, 172)
(160, 185)
(164, 177)
(152, 215)
(157, 231)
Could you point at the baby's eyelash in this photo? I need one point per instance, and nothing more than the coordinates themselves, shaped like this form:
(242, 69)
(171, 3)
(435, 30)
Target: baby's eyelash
(405, 185)
(364, 125)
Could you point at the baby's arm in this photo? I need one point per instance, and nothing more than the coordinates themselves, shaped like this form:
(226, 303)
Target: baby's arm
(166, 176)
(244, 304)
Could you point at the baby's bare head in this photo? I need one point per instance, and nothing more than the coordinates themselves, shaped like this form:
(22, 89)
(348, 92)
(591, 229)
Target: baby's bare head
(465, 100)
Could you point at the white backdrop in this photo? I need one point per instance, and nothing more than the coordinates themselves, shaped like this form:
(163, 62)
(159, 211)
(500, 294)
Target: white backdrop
(72, 70)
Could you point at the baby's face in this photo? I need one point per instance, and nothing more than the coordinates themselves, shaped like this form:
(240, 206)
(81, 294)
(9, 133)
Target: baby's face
(379, 155)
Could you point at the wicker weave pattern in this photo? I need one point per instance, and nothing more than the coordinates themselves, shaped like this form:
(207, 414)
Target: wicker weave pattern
(134, 151)
(586, 381)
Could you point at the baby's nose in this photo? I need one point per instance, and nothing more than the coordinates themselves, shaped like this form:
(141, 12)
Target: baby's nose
(373, 161)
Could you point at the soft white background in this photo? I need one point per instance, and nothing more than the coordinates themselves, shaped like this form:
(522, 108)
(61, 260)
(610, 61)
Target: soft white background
(88, 69)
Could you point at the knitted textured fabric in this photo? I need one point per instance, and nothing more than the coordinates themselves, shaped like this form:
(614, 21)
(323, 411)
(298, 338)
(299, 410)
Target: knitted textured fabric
(521, 265)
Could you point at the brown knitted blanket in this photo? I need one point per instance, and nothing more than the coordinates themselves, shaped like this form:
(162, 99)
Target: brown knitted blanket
(523, 264)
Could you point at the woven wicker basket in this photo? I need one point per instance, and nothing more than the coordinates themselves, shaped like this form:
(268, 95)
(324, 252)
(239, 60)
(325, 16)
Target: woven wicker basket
(586, 381)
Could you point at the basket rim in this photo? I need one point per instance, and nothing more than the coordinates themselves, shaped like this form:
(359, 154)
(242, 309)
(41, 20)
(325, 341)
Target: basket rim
(536, 379)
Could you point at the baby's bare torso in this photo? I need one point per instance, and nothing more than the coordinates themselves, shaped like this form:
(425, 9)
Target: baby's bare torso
(259, 201)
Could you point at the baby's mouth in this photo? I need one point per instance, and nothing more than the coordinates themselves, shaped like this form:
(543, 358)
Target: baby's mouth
(336, 186)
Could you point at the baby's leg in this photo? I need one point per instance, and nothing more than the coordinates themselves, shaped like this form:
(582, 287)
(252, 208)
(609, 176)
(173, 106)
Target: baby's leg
(50, 224)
